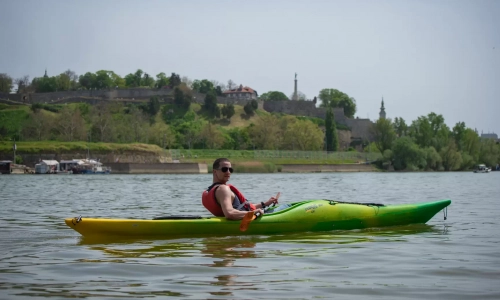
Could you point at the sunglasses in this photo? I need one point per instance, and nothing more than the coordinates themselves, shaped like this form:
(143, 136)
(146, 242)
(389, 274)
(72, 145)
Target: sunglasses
(224, 169)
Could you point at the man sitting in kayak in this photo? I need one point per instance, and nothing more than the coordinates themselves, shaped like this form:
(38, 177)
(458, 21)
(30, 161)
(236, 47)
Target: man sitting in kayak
(225, 200)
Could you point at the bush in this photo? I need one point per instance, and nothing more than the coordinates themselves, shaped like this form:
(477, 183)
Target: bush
(248, 108)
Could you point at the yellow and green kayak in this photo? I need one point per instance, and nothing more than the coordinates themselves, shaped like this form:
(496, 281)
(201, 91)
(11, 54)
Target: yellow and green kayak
(310, 215)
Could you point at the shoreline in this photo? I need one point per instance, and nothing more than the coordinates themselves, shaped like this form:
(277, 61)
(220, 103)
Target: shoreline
(258, 167)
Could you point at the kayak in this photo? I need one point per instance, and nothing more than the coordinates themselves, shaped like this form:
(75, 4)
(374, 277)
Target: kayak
(309, 215)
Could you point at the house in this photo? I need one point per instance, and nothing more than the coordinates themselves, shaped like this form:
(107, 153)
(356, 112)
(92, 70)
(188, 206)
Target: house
(47, 167)
(5, 166)
(241, 93)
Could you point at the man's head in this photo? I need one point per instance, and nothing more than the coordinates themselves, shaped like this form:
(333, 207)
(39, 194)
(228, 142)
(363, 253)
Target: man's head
(222, 170)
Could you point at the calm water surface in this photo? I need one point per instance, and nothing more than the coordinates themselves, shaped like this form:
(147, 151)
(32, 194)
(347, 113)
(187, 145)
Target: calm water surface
(454, 259)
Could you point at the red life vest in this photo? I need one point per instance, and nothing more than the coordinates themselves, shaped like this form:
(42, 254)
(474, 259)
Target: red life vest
(208, 200)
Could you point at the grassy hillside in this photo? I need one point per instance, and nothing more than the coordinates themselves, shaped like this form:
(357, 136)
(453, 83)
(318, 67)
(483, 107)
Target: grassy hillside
(58, 147)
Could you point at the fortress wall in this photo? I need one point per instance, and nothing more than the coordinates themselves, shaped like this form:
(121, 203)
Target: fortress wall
(13, 97)
(173, 168)
(360, 128)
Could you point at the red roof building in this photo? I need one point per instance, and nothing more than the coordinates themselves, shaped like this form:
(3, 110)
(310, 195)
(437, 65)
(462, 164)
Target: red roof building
(241, 93)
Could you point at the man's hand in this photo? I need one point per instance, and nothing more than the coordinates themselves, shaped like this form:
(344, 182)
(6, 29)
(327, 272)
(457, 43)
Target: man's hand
(273, 200)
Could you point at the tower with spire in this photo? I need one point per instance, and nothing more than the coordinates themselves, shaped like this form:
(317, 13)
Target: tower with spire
(382, 110)
(45, 75)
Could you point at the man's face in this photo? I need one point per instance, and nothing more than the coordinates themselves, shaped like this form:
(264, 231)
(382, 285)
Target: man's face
(221, 175)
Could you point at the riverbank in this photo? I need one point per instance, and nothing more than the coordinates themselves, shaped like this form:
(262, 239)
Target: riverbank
(151, 159)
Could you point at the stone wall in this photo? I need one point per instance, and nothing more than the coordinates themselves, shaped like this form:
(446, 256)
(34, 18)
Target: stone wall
(175, 168)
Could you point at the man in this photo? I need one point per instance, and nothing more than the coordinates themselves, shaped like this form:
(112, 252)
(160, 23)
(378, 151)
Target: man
(225, 200)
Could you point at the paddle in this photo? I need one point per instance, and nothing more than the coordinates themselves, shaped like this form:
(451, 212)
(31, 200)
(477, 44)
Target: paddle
(250, 216)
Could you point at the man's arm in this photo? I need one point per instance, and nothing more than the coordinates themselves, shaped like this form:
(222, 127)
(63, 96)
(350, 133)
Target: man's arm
(223, 194)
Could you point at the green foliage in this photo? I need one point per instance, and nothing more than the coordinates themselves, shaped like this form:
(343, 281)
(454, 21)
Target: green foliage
(175, 80)
(400, 127)
(406, 155)
(429, 131)
(433, 159)
(210, 105)
(154, 105)
(489, 152)
(12, 122)
(5, 83)
(161, 80)
(383, 133)
(274, 96)
(317, 121)
(228, 111)
(452, 159)
(44, 84)
(336, 98)
(249, 110)
(254, 104)
(332, 142)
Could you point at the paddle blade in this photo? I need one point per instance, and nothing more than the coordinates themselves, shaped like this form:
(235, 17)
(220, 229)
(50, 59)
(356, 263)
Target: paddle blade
(245, 222)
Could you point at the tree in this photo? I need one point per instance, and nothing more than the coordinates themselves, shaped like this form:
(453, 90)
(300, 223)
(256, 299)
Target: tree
(406, 155)
(248, 108)
(433, 159)
(452, 159)
(383, 134)
(88, 80)
(188, 82)
(400, 127)
(5, 83)
(39, 126)
(63, 82)
(205, 86)
(103, 79)
(138, 77)
(266, 133)
(71, 125)
(101, 121)
(161, 80)
(211, 104)
(73, 79)
(182, 97)
(44, 84)
(23, 84)
(228, 111)
(303, 135)
(212, 137)
(458, 133)
(273, 96)
(174, 80)
(230, 84)
(153, 106)
(130, 80)
(336, 98)
(218, 90)
(429, 131)
(161, 134)
(332, 141)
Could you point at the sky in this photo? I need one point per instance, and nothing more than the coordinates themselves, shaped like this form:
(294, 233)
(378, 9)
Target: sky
(421, 56)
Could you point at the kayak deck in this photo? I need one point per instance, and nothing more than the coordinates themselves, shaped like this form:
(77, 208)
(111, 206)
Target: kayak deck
(310, 215)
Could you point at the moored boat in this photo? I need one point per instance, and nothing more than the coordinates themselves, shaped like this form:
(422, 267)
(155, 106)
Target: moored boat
(90, 166)
(481, 168)
(309, 215)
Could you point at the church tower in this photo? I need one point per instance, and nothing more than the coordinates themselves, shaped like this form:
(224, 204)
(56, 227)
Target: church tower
(382, 110)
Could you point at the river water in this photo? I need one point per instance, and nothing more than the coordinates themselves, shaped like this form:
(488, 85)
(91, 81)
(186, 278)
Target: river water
(454, 259)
